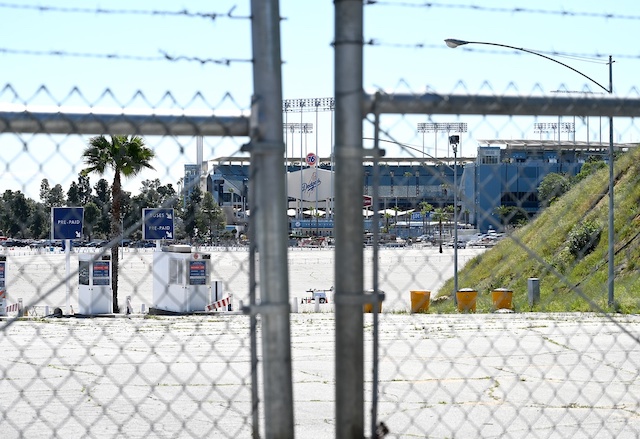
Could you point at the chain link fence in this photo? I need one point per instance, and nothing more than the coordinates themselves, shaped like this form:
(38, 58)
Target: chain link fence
(478, 291)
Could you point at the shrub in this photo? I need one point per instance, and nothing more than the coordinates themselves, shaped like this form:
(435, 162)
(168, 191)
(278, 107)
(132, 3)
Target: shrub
(583, 238)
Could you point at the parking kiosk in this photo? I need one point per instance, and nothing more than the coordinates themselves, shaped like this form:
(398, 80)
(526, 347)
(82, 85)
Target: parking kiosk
(181, 279)
(95, 295)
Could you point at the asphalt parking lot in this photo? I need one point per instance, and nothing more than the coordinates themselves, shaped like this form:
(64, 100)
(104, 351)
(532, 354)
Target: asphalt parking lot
(486, 375)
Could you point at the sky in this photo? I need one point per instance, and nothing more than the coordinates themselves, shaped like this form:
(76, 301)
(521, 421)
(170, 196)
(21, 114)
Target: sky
(139, 55)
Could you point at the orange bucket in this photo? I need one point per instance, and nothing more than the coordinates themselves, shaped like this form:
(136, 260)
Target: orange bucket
(466, 298)
(502, 298)
(420, 301)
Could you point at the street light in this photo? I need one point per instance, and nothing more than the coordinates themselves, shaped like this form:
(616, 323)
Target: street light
(453, 43)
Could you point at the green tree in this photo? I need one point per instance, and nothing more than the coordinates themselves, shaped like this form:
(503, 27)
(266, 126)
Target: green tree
(511, 215)
(126, 156)
(79, 194)
(92, 214)
(591, 166)
(583, 238)
(103, 193)
(56, 196)
(102, 199)
(191, 212)
(84, 190)
(15, 214)
(502, 212)
(211, 217)
(40, 224)
(154, 194)
(51, 196)
(552, 186)
(73, 194)
(45, 188)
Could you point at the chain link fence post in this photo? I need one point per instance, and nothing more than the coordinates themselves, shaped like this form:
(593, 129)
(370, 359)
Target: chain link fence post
(269, 218)
(349, 229)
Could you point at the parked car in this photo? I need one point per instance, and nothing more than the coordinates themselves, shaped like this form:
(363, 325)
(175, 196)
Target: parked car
(461, 243)
(424, 239)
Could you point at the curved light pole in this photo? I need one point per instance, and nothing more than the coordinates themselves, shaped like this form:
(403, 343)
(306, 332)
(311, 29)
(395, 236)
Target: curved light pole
(453, 43)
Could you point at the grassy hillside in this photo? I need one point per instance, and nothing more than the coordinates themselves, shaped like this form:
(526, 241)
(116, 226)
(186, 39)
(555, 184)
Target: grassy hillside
(540, 249)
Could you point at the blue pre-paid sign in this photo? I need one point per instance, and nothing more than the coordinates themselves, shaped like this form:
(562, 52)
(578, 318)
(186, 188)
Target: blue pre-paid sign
(66, 222)
(157, 224)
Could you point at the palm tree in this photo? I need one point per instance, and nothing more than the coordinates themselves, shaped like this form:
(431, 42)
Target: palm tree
(425, 209)
(440, 214)
(125, 156)
(503, 212)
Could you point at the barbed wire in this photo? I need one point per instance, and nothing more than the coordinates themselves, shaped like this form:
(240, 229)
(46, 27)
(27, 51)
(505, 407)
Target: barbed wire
(164, 56)
(515, 10)
(99, 10)
(596, 57)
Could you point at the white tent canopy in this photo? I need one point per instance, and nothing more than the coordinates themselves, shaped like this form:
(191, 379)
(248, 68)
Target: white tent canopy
(314, 212)
(393, 212)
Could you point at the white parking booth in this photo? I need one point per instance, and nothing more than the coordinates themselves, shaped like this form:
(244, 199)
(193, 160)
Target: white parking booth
(181, 279)
(95, 295)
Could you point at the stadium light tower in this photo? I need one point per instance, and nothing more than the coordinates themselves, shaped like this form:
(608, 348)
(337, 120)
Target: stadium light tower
(453, 43)
(439, 127)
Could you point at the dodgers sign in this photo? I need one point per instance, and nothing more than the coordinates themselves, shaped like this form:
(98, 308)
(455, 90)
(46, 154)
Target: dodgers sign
(157, 224)
(66, 222)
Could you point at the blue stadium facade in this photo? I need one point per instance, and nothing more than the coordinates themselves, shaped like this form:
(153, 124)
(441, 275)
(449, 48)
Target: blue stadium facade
(504, 173)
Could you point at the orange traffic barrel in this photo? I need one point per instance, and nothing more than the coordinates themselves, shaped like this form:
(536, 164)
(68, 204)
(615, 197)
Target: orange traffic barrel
(420, 301)
(502, 298)
(466, 298)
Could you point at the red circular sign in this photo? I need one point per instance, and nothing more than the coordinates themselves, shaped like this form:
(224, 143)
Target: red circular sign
(311, 159)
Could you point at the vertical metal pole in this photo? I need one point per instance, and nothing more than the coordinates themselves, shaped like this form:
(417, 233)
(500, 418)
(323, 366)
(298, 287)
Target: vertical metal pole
(67, 265)
(333, 161)
(376, 286)
(317, 166)
(270, 219)
(253, 321)
(301, 159)
(611, 204)
(286, 158)
(455, 224)
(349, 276)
